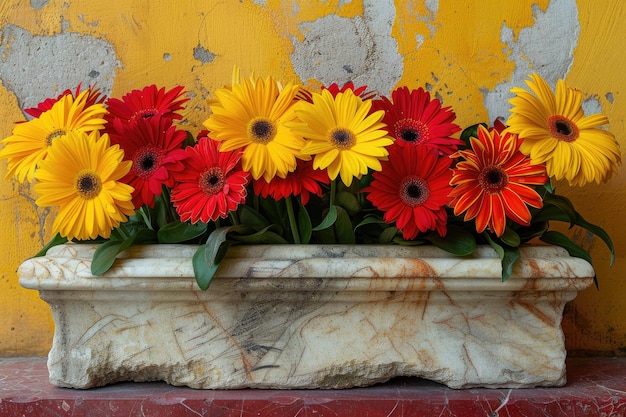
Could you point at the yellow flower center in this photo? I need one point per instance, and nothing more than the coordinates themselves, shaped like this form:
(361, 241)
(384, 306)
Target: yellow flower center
(261, 130)
(88, 184)
(561, 128)
(493, 179)
(412, 131)
(342, 138)
(54, 134)
(212, 181)
(414, 191)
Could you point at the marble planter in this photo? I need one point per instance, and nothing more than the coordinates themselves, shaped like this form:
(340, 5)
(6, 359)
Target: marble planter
(307, 317)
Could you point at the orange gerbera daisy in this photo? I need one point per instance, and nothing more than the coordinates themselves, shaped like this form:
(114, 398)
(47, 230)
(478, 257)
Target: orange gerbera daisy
(493, 181)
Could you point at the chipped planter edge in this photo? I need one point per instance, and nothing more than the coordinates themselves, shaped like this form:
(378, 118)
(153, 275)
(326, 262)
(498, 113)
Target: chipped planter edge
(308, 316)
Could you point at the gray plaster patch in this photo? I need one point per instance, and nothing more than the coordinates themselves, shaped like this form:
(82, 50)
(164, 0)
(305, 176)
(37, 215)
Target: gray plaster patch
(361, 49)
(38, 4)
(203, 55)
(592, 106)
(37, 67)
(547, 47)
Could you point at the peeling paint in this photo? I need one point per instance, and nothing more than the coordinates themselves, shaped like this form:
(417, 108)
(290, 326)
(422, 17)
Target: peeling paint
(432, 6)
(547, 47)
(360, 49)
(33, 65)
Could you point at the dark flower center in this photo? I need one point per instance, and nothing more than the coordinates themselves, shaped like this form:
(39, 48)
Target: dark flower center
(261, 130)
(146, 161)
(88, 184)
(212, 181)
(145, 114)
(414, 191)
(54, 134)
(412, 131)
(342, 138)
(561, 128)
(493, 179)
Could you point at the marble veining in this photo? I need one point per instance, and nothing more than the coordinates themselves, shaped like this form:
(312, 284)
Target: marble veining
(327, 316)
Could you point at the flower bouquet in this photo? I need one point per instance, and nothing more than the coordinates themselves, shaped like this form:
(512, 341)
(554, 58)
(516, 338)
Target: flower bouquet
(296, 165)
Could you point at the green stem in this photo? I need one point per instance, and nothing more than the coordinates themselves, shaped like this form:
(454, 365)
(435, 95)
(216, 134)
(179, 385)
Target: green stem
(333, 191)
(292, 221)
(234, 219)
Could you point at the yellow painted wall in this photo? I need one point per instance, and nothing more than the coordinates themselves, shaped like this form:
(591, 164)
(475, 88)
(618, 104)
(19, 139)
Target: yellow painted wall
(460, 50)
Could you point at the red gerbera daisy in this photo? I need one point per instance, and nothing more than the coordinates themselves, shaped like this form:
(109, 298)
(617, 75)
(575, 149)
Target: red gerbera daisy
(360, 91)
(211, 184)
(494, 181)
(412, 190)
(154, 147)
(334, 89)
(146, 103)
(413, 118)
(303, 181)
(94, 96)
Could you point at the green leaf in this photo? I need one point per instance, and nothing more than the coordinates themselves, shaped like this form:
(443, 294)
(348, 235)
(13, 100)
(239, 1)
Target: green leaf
(511, 256)
(56, 240)
(561, 209)
(329, 220)
(562, 203)
(549, 212)
(161, 211)
(304, 224)
(217, 243)
(371, 220)
(202, 270)
(349, 202)
(508, 256)
(470, 132)
(458, 241)
(388, 235)
(535, 229)
(510, 238)
(496, 246)
(144, 236)
(189, 140)
(343, 227)
(598, 231)
(105, 254)
(557, 238)
(251, 217)
(177, 231)
(207, 258)
(275, 213)
(263, 236)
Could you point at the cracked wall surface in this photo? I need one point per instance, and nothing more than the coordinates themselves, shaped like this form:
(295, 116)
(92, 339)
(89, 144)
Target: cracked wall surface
(35, 67)
(465, 55)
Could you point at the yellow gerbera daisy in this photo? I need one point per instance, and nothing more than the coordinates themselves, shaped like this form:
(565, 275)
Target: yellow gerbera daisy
(556, 132)
(81, 175)
(252, 116)
(345, 139)
(29, 143)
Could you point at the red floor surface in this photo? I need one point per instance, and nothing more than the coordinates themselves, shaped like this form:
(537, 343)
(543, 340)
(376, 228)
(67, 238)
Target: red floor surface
(596, 387)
